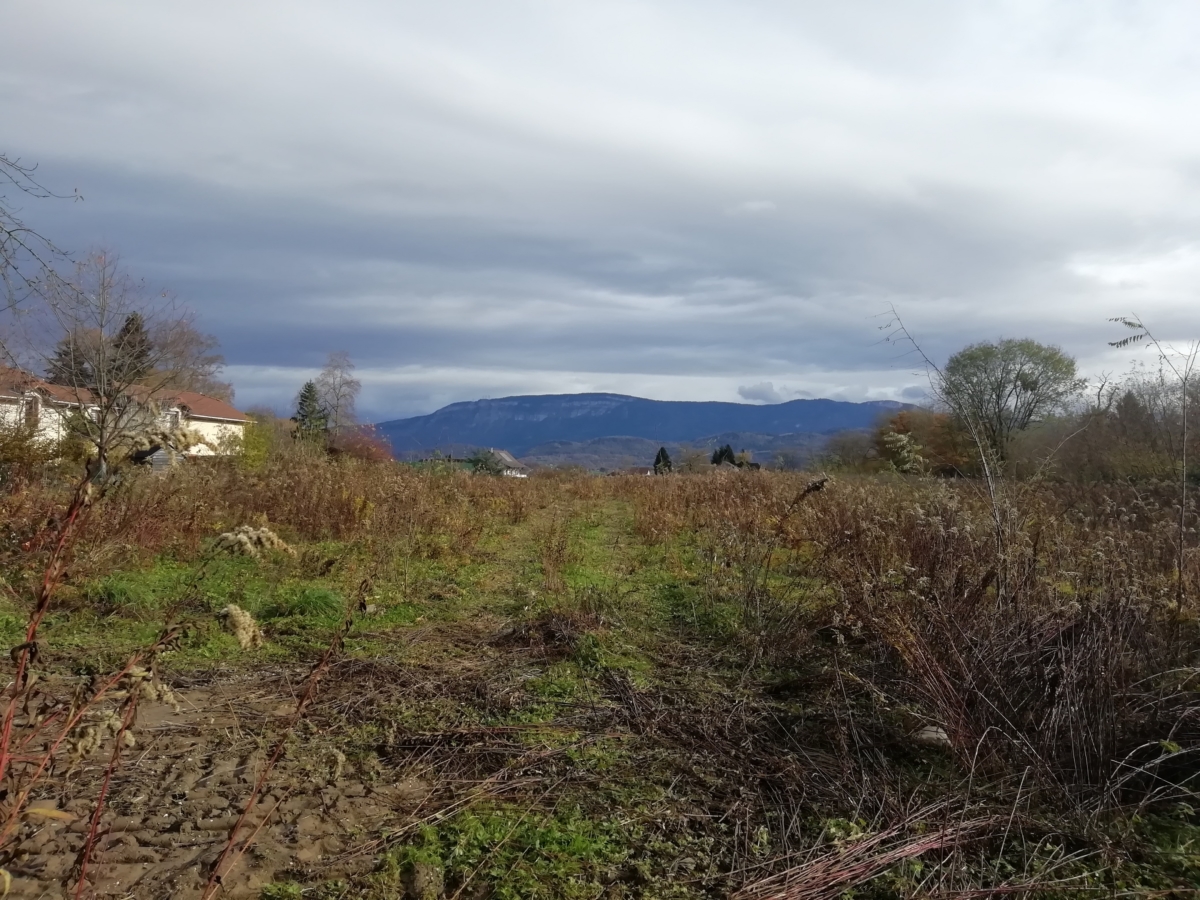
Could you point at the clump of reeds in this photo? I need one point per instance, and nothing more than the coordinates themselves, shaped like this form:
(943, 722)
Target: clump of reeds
(246, 540)
(553, 539)
(174, 440)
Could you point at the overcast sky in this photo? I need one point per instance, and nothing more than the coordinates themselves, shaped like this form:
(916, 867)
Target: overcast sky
(679, 200)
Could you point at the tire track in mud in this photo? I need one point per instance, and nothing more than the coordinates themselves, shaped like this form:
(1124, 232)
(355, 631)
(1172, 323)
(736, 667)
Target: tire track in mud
(178, 794)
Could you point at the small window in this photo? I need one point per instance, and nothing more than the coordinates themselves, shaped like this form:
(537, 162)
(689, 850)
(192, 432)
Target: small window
(32, 411)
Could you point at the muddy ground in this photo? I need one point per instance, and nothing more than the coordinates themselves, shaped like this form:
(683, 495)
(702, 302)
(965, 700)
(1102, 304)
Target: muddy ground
(176, 799)
(391, 745)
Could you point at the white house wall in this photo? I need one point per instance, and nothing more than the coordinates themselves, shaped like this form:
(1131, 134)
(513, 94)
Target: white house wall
(216, 434)
(11, 412)
(51, 423)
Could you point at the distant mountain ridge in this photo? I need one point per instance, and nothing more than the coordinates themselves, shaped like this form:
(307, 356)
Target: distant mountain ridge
(521, 423)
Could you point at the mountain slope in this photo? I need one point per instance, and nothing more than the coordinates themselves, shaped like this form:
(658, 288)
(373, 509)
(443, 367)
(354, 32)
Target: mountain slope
(519, 423)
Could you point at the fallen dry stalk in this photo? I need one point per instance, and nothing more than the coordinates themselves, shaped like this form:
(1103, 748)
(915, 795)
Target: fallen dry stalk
(13, 814)
(854, 863)
(98, 810)
(85, 495)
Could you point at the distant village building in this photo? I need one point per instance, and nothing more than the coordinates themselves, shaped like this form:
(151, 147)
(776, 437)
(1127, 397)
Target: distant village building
(24, 400)
(47, 408)
(501, 463)
(217, 422)
(513, 467)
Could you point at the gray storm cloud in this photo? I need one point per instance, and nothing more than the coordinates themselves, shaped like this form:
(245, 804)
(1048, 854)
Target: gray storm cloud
(690, 201)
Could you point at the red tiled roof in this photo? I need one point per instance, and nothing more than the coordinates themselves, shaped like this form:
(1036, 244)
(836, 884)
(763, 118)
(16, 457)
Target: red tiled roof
(198, 405)
(204, 406)
(64, 394)
(14, 383)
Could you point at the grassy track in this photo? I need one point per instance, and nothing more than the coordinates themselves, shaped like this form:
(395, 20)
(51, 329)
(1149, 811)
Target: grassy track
(583, 687)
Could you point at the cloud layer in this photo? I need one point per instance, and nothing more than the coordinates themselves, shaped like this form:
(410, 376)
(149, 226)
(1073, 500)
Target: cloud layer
(678, 200)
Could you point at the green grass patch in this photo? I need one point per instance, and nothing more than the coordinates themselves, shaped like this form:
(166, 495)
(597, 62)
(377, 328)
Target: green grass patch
(305, 601)
(521, 853)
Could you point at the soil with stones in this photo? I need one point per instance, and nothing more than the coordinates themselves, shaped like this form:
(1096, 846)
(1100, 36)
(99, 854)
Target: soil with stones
(179, 793)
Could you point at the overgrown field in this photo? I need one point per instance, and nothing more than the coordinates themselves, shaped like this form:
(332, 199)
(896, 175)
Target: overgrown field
(744, 684)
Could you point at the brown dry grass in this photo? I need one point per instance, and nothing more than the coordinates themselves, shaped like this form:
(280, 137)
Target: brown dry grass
(812, 634)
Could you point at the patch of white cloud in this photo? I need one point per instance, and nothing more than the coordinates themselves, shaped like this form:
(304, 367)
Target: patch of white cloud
(763, 392)
(1171, 274)
(766, 392)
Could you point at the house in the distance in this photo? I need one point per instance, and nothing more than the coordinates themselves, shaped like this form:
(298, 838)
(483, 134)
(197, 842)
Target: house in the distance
(513, 467)
(218, 424)
(28, 400)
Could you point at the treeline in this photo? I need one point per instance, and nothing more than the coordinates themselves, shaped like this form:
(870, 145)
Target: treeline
(325, 421)
(1019, 407)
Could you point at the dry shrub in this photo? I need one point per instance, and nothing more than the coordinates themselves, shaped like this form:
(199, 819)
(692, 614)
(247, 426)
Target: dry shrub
(310, 496)
(552, 538)
(657, 517)
(518, 508)
(1043, 633)
(743, 526)
(1064, 657)
(246, 540)
(569, 485)
(24, 455)
(361, 442)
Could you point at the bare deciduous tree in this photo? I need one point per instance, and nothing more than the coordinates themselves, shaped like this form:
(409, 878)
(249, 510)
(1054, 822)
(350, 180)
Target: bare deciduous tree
(113, 348)
(338, 389)
(27, 258)
(189, 359)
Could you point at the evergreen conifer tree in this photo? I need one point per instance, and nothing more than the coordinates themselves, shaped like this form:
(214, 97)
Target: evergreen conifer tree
(132, 349)
(724, 455)
(662, 462)
(312, 424)
(69, 365)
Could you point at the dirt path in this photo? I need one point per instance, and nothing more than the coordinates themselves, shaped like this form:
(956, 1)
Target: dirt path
(173, 804)
(469, 710)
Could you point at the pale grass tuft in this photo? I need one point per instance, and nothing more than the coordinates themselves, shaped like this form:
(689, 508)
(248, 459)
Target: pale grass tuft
(242, 626)
(86, 739)
(246, 540)
(148, 687)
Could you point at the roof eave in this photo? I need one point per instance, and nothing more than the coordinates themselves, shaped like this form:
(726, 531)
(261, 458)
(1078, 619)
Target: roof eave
(191, 416)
